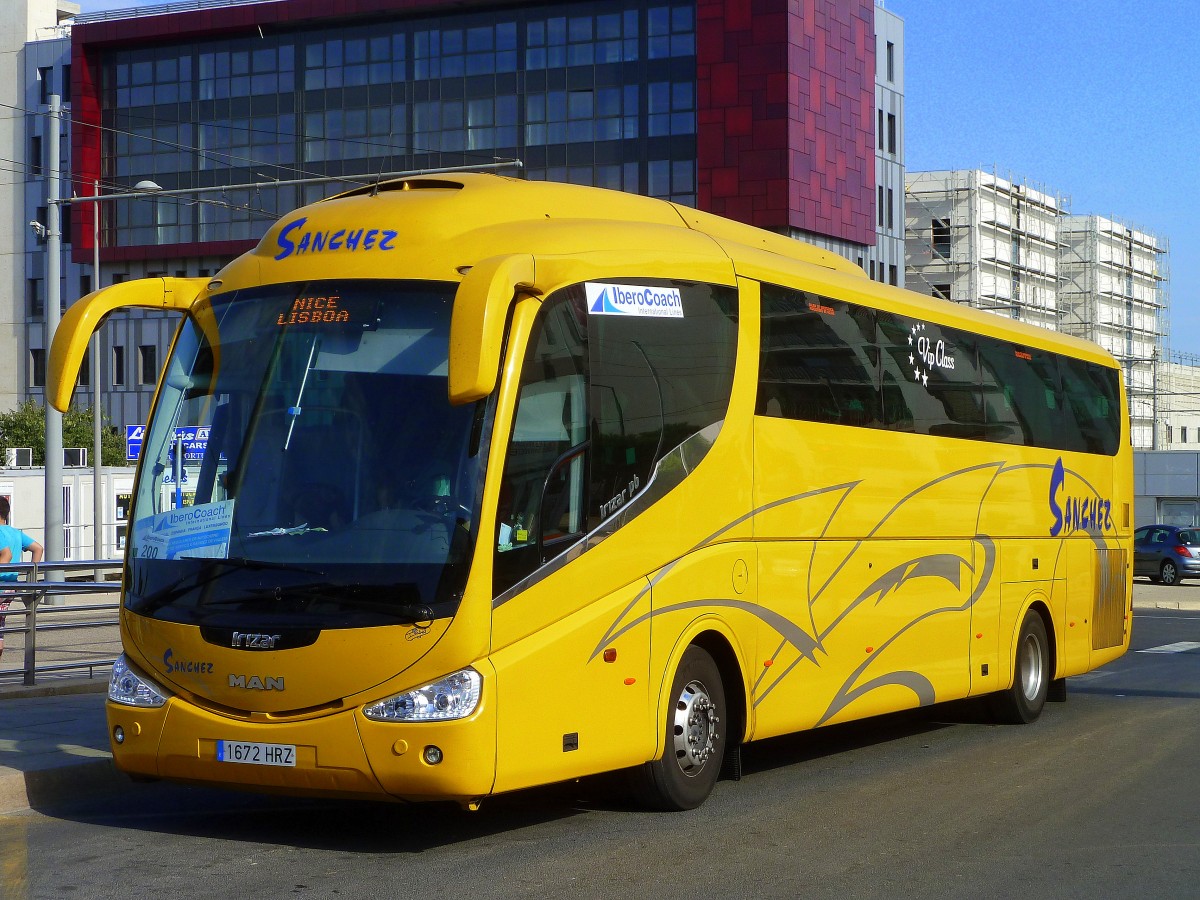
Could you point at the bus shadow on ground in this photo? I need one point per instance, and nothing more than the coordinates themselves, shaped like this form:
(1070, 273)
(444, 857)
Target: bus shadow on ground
(834, 740)
(387, 828)
(316, 824)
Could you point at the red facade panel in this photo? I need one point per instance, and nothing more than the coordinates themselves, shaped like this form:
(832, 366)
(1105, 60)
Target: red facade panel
(804, 72)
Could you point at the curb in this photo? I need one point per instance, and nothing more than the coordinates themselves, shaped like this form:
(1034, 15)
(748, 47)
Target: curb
(47, 787)
(1192, 605)
(59, 688)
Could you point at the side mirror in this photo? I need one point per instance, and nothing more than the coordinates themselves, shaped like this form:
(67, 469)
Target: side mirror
(83, 317)
(477, 321)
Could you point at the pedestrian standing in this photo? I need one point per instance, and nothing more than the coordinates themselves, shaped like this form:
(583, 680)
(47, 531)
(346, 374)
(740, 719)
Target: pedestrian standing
(13, 543)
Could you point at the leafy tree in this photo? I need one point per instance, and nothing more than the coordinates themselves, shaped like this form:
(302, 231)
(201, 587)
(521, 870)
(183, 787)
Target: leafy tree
(25, 426)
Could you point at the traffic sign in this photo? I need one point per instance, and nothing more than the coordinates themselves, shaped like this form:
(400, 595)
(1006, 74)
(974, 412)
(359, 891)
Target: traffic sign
(133, 440)
(194, 438)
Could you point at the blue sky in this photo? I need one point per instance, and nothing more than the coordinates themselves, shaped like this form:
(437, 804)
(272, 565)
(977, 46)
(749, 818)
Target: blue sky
(1091, 100)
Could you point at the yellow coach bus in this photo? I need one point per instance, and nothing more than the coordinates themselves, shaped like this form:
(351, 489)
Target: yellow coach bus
(456, 486)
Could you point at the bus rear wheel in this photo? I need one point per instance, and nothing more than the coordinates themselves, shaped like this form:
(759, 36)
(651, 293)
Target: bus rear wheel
(1023, 702)
(684, 776)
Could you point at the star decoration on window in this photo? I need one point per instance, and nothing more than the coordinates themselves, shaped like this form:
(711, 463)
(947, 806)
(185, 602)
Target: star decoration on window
(920, 374)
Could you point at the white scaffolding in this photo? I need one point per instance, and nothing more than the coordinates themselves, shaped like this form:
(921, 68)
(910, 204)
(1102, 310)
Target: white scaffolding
(1113, 292)
(1010, 247)
(987, 241)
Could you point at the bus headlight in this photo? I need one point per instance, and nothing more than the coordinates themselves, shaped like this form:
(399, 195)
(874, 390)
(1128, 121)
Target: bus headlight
(128, 687)
(452, 697)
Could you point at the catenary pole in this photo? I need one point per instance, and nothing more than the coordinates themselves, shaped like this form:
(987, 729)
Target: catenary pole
(97, 439)
(54, 438)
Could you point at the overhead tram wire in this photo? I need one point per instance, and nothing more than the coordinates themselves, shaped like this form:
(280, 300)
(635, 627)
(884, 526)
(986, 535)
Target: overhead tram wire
(227, 159)
(224, 159)
(19, 168)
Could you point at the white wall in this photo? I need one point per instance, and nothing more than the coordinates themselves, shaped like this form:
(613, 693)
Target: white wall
(26, 491)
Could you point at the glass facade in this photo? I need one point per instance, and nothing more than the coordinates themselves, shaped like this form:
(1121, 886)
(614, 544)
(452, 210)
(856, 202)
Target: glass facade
(591, 93)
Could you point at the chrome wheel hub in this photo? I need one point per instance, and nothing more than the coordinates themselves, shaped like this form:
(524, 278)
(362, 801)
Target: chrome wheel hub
(695, 729)
(1030, 667)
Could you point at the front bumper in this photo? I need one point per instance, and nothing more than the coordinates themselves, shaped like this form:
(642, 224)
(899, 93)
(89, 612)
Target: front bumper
(342, 754)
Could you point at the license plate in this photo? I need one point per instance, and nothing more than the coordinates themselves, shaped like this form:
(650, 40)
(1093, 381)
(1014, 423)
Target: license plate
(256, 754)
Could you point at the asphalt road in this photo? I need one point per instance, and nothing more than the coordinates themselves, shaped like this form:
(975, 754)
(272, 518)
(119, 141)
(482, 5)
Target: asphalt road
(1097, 799)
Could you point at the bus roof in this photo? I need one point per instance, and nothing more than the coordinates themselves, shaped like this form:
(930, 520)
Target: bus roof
(448, 223)
(442, 225)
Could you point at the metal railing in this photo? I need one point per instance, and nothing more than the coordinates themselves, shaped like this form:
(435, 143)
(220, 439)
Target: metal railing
(37, 602)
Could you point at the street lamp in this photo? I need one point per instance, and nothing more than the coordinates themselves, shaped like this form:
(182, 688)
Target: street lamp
(145, 186)
(52, 234)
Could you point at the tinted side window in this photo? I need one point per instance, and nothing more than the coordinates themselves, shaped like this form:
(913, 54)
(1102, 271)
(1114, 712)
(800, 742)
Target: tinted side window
(1091, 403)
(819, 360)
(604, 396)
(1021, 395)
(550, 422)
(930, 378)
(823, 360)
(655, 381)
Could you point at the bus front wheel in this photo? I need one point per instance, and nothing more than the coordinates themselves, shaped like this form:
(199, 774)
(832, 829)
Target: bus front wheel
(683, 777)
(1023, 702)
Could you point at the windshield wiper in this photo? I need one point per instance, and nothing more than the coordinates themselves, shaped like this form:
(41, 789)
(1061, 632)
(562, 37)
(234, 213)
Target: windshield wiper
(368, 598)
(295, 409)
(232, 564)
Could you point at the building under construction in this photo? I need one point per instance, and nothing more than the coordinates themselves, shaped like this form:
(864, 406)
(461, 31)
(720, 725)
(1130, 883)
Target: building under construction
(1011, 248)
(1112, 290)
(975, 238)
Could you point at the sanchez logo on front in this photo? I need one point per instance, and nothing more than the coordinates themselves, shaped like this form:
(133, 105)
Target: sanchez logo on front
(294, 238)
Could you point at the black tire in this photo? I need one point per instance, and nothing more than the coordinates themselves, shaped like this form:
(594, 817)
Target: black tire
(694, 745)
(1023, 702)
(1168, 573)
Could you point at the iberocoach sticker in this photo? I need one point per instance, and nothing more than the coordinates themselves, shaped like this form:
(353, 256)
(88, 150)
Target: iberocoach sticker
(633, 300)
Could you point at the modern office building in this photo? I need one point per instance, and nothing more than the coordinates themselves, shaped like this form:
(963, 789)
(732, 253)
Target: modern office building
(787, 115)
(25, 28)
(887, 262)
(1008, 247)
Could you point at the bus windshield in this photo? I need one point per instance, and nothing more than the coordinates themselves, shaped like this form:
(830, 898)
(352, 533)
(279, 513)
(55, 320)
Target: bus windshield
(303, 464)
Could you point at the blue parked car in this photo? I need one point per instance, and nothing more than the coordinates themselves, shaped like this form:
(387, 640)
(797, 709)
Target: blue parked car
(1166, 553)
